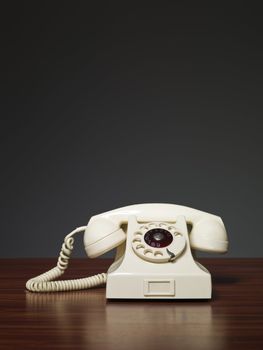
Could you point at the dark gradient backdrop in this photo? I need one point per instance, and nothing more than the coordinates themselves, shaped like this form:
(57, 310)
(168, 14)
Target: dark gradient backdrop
(113, 105)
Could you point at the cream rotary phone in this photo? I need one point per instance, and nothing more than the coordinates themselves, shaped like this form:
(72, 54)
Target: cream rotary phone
(153, 257)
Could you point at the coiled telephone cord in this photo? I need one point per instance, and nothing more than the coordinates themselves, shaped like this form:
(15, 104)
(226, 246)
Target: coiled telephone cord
(45, 282)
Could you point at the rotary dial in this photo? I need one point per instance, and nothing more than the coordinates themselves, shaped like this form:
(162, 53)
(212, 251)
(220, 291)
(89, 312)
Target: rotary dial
(158, 242)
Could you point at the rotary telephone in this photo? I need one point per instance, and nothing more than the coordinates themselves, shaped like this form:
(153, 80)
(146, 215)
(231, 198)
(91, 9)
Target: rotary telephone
(153, 256)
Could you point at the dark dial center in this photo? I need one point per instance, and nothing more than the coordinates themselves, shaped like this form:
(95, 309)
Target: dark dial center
(158, 238)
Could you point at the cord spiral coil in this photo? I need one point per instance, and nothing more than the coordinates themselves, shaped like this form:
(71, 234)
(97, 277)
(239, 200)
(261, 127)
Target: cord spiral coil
(45, 282)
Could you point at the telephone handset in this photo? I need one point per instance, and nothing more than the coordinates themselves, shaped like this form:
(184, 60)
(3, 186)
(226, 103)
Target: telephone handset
(153, 257)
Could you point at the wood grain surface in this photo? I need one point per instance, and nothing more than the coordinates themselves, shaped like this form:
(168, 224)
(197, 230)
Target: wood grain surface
(233, 319)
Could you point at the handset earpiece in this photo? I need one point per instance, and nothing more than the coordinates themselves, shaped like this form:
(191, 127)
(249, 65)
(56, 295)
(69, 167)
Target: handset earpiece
(209, 235)
(102, 235)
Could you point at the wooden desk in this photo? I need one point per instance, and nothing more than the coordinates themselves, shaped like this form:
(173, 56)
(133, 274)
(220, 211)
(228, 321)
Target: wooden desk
(233, 319)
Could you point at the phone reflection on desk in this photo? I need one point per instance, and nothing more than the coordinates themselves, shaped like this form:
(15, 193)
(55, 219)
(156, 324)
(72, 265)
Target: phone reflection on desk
(131, 324)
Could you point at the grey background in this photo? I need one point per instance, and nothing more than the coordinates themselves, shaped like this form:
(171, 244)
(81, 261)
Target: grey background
(108, 106)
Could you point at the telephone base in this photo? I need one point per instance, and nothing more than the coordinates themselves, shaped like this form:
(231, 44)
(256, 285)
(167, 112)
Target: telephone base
(165, 286)
(135, 275)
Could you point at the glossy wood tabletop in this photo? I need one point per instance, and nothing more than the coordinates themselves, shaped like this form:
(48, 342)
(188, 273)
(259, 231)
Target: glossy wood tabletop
(233, 319)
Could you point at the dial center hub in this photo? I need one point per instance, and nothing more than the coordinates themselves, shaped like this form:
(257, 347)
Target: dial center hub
(158, 238)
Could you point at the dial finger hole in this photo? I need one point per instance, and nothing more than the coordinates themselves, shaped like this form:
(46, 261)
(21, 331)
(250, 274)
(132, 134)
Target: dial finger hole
(148, 252)
(158, 254)
(137, 240)
(139, 246)
(138, 234)
(177, 234)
